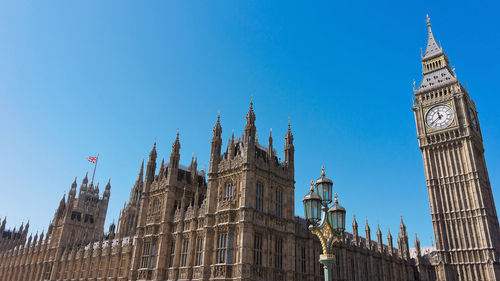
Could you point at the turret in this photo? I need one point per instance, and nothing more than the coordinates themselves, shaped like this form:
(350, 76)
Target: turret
(368, 235)
(289, 149)
(26, 228)
(250, 129)
(60, 210)
(137, 189)
(355, 235)
(84, 185)
(389, 242)
(192, 168)
(151, 168)
(216, 147)
(161, 172)
(173, 166)
(380, 245)
(231, 147)
(417, 246)
(107, 191)
(111, 231)
(403, 246)
(270, 152)
(2, 227)
(72, 190)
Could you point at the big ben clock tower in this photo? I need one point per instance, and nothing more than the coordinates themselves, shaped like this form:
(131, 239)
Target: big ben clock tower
(463, 212)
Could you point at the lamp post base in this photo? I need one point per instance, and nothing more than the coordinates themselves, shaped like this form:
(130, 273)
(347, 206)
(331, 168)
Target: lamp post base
(327, 262)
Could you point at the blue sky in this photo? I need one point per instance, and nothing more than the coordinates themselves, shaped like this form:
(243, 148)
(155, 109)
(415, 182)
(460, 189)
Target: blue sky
(81, 78)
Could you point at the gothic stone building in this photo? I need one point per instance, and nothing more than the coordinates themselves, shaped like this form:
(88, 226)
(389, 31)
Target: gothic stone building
(237, 222)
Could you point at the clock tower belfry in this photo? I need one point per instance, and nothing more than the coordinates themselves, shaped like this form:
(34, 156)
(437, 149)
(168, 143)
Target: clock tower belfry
(463, 212)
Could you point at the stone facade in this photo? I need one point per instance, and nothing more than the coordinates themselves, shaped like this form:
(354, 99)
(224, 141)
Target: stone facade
(462, 208)
(235, 223)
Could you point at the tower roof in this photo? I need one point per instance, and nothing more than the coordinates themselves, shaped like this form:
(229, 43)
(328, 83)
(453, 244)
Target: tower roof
(435, 66)
(432, 48)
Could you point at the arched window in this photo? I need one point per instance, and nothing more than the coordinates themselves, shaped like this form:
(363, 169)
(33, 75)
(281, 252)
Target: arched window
(156, 206)
(228, 191)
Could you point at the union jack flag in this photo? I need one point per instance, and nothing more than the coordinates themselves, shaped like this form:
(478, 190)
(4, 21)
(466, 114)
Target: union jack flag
(92, 159)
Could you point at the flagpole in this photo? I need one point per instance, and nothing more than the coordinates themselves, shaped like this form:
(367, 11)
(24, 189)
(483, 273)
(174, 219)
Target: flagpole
(95, 166)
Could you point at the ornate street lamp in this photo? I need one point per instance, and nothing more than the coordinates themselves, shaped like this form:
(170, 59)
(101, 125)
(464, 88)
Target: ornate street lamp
(332, 227)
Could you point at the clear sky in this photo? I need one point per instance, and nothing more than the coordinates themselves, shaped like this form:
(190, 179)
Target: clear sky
(88, 77)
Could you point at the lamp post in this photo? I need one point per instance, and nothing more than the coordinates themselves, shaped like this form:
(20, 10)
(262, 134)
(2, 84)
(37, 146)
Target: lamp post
(332, 224)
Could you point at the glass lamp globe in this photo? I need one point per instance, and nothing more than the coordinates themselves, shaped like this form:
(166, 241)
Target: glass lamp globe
(336, 217)
(312, 206)
(324, 186)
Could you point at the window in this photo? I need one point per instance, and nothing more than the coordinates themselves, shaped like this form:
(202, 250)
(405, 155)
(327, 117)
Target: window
(156, 206)
(303, 259)
(145, 254)
(122, 267)
(99, 270)
(278, 253)
(224, 251)
(259, 198)
(199, 251)
(172, 252)
(152, 258)
(228, 191)
(184, 253)
(279, 203)
(221, 248)
(111, 266)
(48, 270)
(257, 249)
(92, 266)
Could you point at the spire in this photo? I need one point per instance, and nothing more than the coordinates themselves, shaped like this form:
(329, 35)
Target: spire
(217, 128)
(161, 173)
(152, 154)
(86, 178)
(355, 230)
(141, 172)
(289, 150)
(176, 146)
(2, 227)
(72, 190)
(402, 226)
(368, 235)
(62, 206)
(215, 148)
(432, 48)
(417, 245)
(108, 185)
(289, 135)
(251, 115)
(379, 239)
(231, 148)
(151, 168)
(389, 241)
(270, 152)
(250, 130)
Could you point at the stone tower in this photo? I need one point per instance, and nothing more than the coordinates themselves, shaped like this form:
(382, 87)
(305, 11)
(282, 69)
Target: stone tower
(80, 219)
(251, 193)
(463, 212)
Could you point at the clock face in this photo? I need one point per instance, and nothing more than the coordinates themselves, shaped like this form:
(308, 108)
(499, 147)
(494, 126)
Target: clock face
(439, 117)
(473, 119)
